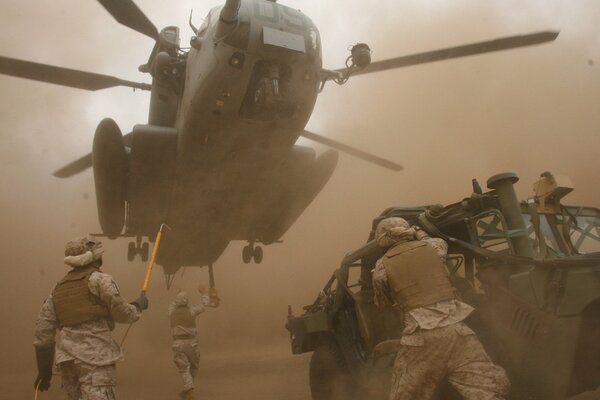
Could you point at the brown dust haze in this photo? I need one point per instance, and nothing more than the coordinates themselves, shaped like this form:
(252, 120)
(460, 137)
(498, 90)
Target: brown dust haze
(527, 111)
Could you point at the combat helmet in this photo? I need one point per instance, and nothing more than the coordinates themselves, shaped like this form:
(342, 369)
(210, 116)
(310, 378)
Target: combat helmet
(82, 251)
(392, 230)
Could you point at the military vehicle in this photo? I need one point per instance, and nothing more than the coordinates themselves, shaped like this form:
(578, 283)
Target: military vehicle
(531, 269)
(217, 159)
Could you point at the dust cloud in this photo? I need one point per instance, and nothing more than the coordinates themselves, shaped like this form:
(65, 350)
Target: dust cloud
(527, 111)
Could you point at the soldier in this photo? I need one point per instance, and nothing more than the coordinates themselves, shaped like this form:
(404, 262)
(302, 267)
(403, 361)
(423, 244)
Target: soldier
(83, 307)
(435, 343)
(185, 343)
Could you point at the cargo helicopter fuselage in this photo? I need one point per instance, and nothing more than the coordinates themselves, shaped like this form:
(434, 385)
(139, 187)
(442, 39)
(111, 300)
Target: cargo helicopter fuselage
(233, 106)
(217, 160)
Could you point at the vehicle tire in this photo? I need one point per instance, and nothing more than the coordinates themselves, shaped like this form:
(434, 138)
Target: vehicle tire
(329, 375)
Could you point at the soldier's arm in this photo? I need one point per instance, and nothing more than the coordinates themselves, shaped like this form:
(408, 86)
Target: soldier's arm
(106, 289)
(46, 325)
(172, 308)
(200, 307)
(381, 288)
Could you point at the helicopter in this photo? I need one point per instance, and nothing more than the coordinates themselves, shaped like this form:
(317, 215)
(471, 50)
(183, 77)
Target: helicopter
(217, 159)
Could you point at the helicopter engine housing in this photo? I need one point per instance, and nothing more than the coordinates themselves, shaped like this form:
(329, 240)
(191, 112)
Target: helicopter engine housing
(149, 185)
(109, 161)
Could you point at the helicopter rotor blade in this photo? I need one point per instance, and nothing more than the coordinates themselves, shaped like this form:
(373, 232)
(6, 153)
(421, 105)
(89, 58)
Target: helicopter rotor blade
(455, 52)
(75, 167)
(83, 163)
(363, 155)
(128, 14)
(63, 76)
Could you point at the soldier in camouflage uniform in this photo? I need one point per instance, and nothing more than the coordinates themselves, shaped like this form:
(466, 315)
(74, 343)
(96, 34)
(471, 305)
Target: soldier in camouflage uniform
(83, 307)
(185, 344)
(435, 343)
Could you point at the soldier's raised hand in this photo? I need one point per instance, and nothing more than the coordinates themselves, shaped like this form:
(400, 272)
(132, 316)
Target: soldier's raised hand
(201, 289)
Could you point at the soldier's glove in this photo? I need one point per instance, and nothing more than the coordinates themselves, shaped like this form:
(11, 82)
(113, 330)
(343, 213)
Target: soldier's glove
(45, 359)
(141, 303)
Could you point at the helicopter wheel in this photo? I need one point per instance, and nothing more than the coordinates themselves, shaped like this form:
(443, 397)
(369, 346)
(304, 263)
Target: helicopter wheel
(258, 254)
(247, 254)
(131, 250)
(144, 251)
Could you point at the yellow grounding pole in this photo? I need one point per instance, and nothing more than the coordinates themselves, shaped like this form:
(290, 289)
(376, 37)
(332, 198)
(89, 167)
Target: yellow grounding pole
(153, 258)
(148, 272)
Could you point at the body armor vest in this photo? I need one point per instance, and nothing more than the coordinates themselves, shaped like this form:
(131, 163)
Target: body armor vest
(73, 301)
(182, 316)
(416, 275)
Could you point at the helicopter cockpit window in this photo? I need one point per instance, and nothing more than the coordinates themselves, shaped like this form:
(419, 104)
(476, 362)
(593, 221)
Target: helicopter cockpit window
(314, 45)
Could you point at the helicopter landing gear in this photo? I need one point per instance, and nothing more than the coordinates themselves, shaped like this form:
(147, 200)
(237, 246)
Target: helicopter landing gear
(137, 247)
(250, 252)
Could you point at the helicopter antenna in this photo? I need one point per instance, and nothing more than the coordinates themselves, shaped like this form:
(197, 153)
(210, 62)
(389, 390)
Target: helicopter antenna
(191, 23)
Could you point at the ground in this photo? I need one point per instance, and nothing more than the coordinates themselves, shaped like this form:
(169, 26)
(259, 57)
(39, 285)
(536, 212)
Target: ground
(273, 376)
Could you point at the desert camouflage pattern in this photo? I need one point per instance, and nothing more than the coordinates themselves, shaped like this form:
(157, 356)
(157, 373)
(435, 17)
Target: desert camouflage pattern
(79, 245)
(428, 356)
(194, 310)
(436, 344)
(381, 288)
(186, 353)
(439, 245)
(393, 230)
(83, 250)
(436, 315)
(83, 381)
(186, 356)
(90, 342)
(86, 353)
